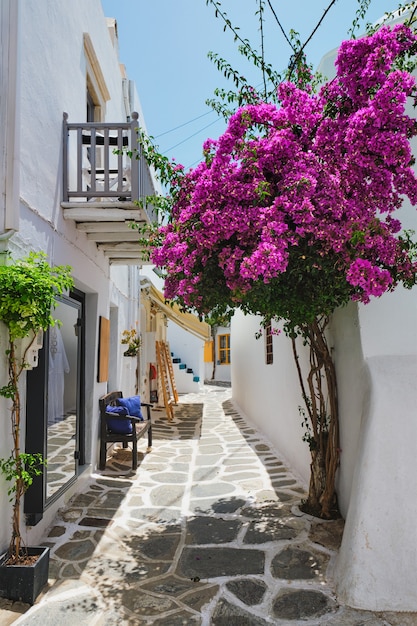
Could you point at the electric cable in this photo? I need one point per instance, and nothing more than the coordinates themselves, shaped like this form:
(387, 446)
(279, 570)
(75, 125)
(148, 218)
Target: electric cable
(184, 124)
(191, 136)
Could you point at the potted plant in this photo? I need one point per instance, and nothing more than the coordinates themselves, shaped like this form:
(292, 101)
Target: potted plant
(27, 297)
(133, 341)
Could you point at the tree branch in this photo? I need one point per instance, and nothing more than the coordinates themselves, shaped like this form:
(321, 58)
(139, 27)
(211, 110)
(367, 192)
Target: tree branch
(300, 52)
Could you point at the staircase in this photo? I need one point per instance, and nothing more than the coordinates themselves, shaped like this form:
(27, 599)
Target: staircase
(185, 379)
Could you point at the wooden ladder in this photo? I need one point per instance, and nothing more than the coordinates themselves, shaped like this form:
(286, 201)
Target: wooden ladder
(163, 374)
(168, 360)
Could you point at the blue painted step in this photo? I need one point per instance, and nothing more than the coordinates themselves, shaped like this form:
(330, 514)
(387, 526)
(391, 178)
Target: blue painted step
(183, 366)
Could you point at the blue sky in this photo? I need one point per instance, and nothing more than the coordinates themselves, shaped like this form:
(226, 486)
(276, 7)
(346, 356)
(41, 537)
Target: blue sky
(164, 46)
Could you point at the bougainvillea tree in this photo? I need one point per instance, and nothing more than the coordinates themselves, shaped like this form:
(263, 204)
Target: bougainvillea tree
(293, 214)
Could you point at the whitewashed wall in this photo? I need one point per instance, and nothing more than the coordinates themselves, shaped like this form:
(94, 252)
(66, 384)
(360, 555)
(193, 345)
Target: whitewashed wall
(9, 197)
(9, 119)
(353, 389)
(378, 471)
(376, 358)
(52, 78)
(190, 349)
(269, 395)
(375, 352)
(222, 371)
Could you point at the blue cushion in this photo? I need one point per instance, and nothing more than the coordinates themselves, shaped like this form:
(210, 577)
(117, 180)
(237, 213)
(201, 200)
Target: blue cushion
(132, 405)
(120, 427)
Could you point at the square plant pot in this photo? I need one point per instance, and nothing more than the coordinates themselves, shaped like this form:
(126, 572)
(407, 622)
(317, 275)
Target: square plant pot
(24, 582)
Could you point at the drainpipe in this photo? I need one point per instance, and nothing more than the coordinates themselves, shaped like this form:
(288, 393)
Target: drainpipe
(126, 99)
(9, 118)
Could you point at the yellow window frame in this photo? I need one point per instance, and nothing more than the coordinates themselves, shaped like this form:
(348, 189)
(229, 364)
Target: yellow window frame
(224, 349)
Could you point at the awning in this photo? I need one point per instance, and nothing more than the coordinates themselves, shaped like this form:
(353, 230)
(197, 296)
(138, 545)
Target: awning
(188, 321)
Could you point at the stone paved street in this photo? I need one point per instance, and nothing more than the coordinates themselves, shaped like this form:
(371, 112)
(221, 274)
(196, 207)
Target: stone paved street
(207, 533)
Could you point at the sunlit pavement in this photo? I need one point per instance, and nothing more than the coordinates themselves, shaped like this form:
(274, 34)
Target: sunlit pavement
(207, 532)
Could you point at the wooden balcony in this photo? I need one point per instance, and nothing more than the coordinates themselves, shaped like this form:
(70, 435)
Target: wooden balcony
(105, 182)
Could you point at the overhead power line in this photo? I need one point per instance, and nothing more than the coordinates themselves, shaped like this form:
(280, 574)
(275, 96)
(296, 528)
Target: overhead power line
(280, 25)
(191, 136)
(184, 124)
(300, 51)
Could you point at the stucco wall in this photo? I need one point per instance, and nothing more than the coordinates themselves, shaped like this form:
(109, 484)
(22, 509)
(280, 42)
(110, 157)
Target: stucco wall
(189, 348)
(269, 395)
(375, 352)
(353, 387)
(222, 371)
(52, 77)
(376, 359)
(377, 560)
(53, 80)
(379, 450)
(9, 118)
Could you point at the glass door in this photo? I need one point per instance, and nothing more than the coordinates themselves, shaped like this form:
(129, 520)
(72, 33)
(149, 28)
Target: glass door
(63, 397)
(54, 406)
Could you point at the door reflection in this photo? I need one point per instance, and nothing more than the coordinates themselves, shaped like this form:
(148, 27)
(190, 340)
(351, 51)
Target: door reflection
(62, 424)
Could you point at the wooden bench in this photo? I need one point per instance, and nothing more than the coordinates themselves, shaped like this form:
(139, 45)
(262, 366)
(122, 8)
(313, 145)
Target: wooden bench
(139, 428)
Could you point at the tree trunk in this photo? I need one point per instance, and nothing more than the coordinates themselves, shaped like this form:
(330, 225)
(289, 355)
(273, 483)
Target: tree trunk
(14, 372)
(319, 390)
(213, 335)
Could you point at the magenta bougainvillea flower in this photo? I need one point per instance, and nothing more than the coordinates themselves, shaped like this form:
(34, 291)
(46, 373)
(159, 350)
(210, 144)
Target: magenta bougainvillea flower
(292, 211)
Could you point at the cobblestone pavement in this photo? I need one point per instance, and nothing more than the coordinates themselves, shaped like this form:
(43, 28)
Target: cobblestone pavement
(207, 533)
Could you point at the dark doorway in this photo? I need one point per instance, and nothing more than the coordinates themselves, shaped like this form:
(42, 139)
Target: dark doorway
(55, 406)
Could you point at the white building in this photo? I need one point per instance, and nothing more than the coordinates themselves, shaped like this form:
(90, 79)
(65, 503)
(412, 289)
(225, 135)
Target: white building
(375, 352)
(218, 355)
(64, 191)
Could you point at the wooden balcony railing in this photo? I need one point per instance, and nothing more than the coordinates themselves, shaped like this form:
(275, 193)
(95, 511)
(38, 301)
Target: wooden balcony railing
(96, 164)
(105, 190)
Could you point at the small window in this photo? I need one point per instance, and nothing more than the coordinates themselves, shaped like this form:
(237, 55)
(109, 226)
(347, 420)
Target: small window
(90, 107)
(269, 354)
(224, 349)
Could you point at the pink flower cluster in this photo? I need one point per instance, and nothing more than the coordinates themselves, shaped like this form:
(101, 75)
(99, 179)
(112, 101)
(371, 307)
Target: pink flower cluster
(372, 280)
(325, 170)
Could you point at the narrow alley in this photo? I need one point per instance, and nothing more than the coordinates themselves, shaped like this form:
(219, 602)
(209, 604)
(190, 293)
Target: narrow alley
(208, 532)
